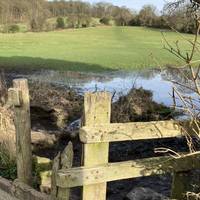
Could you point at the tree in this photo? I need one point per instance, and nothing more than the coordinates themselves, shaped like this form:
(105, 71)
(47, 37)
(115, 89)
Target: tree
(147, 15)
(180, 19)
(102, 9)
(14, 11)
(37, 14)
(188, 102)
(123, 16)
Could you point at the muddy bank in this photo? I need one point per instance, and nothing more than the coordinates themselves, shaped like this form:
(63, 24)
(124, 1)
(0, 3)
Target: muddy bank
(54, 107)
(138, 105)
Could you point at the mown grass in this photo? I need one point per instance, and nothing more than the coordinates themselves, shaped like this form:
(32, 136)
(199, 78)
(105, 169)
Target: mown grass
(90, 49)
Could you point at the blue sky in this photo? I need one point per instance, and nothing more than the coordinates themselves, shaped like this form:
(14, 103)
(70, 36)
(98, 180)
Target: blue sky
(134, 4)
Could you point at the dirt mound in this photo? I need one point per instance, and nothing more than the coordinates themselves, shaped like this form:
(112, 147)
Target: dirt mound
(53, 107)
(138, 105)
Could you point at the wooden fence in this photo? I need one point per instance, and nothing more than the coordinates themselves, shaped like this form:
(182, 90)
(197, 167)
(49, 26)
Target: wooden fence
(96, 134)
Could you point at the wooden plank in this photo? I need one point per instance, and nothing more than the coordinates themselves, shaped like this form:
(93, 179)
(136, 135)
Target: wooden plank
(97, 110)
(108, 172)
(23, 132)
(124, 170)
(66, 163)
(129, 131)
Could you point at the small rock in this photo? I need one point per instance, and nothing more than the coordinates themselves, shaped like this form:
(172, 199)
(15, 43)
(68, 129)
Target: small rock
(74, 126)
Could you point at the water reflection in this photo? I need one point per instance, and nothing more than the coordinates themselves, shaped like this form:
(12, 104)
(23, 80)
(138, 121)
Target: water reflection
(158, 81)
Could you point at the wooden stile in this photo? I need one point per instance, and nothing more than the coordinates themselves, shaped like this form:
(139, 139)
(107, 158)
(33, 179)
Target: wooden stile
(96, 135)
(97, 111)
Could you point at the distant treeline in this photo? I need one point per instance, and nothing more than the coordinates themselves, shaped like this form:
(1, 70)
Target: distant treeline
(77, 14)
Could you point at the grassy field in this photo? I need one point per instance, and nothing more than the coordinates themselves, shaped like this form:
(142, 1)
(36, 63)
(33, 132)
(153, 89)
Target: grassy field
(90, 49)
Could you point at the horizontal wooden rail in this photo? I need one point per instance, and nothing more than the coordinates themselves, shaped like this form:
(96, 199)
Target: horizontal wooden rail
(123, 170)
(109, 172)
(129, 131)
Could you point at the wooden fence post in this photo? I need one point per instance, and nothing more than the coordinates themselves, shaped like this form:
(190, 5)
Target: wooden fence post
(66, 163)
(55, 168)
(181, 185)
(97, 110)
(21, 103)
(63, 161)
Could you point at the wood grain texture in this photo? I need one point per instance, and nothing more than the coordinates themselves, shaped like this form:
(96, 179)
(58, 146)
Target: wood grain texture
(182, 176)
(180, 185)
(128, 169)
(14, 97)
(55, 168)
(66, 163)
(129, 131)
(97, 111)
(107, 172)
(23, 132)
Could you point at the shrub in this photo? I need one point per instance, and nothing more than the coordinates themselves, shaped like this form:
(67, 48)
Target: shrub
(60, 22)
(105, 21)
(8, 166)
(48, 26)
(7, 163)
(13, 28)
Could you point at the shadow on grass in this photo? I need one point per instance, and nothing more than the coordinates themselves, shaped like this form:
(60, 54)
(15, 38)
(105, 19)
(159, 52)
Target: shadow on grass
(35, 63)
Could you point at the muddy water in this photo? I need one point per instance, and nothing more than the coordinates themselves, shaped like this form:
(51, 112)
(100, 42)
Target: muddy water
(120, 82)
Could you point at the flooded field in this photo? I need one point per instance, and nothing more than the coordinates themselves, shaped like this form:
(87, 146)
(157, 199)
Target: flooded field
(118, 83)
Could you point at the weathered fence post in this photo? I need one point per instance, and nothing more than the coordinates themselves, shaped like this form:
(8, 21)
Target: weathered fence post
(21, 102)
(62, 161)
(181, 185)
(97, 111)
(66, 163)
(55, 168)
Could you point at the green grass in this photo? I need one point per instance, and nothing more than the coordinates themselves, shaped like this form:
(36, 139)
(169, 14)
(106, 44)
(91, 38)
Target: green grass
(90, 49)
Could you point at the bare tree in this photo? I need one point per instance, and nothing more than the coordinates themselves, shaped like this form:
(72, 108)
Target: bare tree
(147, 15)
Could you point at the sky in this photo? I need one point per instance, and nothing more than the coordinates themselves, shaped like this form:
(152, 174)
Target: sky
(134, 4)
